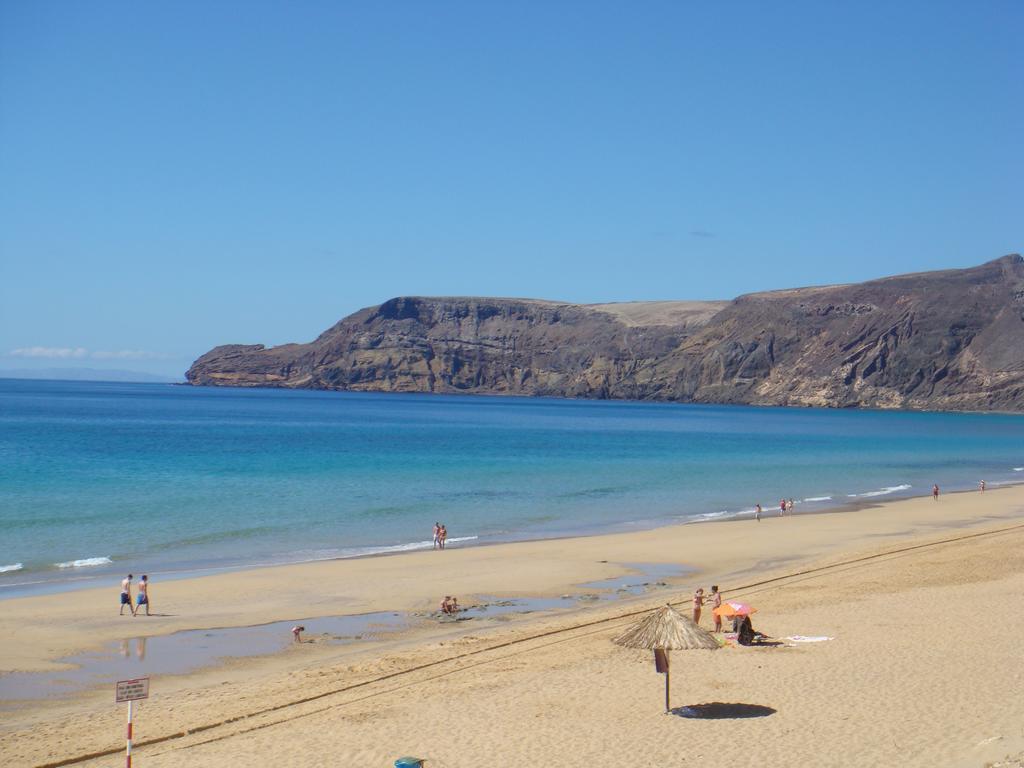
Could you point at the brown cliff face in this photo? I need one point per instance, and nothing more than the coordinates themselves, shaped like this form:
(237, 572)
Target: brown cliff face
(939, 340)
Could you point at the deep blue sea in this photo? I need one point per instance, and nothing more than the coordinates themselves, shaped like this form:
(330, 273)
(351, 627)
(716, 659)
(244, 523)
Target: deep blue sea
(97, 479)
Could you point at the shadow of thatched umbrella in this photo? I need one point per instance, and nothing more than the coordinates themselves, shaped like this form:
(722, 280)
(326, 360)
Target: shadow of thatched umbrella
(665, 629)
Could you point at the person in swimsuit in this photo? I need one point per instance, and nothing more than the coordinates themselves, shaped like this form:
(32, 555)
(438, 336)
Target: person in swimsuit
(698, 603)
(757, 512)
(716, 601)
(935, 492)
(789, 506)
(443, 536)
(143, 599)
(297, 633)
(782, 507)
(446, 605)
(126, 595)
(437, 535)
(981, 486)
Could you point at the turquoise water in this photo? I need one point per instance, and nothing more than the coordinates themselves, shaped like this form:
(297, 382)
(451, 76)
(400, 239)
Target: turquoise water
(97, 479)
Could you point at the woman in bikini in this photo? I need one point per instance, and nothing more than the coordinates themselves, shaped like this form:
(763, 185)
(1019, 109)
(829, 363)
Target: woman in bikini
(698, 603)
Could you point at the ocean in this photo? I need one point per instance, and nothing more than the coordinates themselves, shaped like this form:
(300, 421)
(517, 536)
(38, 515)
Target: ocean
(98, 479)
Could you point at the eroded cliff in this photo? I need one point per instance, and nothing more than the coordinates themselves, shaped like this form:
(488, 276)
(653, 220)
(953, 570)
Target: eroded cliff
(939, 340)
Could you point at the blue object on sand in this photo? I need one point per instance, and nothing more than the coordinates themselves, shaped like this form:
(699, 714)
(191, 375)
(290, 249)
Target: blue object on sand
(409, 762)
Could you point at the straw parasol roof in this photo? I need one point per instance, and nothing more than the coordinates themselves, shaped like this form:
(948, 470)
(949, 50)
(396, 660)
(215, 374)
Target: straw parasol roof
(667, 629)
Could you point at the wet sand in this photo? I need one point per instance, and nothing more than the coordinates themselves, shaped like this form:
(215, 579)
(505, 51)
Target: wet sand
(919, 672)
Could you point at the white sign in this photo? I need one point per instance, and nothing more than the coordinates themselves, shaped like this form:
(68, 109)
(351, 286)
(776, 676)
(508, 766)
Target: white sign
(131, 690)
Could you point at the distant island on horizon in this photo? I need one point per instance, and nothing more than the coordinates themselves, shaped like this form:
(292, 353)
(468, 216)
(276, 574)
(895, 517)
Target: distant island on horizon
(944, 340)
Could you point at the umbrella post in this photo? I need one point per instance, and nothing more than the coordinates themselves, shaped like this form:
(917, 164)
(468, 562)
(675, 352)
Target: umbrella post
(667, 708)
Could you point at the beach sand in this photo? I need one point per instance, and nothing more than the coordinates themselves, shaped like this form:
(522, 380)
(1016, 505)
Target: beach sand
(924, 667)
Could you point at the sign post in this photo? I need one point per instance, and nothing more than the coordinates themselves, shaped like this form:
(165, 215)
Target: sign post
(131, 691)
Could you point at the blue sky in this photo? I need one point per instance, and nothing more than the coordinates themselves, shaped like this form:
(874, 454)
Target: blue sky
(179, 175)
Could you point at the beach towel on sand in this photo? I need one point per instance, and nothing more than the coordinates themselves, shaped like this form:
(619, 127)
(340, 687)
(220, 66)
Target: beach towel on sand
(806, 639)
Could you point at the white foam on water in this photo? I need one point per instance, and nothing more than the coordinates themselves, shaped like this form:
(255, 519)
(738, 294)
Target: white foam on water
(1018, 469)
(410, 547)
(881, 492)
(818, 498)
(705, 516)
(8, 568)
(85, 562)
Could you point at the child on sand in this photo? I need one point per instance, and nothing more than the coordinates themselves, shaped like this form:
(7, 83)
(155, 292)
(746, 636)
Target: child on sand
(297, 633)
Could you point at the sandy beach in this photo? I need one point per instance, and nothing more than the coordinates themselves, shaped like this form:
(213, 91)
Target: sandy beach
(923, 602)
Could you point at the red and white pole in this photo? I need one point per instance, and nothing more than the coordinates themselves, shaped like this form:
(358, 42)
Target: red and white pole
(128, 743)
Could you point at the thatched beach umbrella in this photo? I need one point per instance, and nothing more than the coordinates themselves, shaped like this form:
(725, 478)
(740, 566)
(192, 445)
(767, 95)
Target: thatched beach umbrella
(665, 629)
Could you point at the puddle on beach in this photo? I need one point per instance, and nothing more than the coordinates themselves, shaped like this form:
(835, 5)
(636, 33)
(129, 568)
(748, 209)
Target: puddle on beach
(187, 651)
(650, 576)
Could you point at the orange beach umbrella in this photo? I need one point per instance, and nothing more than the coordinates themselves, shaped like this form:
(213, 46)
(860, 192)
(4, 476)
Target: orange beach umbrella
(734, 608)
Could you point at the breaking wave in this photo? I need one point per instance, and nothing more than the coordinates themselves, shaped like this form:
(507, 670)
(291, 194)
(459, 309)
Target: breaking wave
(85, 562)
(881, 492)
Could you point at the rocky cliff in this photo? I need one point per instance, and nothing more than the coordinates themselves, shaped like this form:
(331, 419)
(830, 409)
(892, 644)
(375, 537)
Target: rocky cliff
(938, 340)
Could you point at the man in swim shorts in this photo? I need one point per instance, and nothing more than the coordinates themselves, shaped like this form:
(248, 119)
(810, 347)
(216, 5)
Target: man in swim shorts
(126, 595)
(143, 598)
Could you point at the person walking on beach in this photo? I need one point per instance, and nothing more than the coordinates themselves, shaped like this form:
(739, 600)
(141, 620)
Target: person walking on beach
(935, 492)
(981, 486)
(442, 536)
(126, 595)
(716, 601)
(437, 535)
(789, 507)
(698, 604)
(782, 507)
(143, 599)
(757, 512)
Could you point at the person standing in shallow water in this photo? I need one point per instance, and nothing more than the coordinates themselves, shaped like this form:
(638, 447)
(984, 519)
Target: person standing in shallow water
(126, 595)
(437, 535)
(442, 536)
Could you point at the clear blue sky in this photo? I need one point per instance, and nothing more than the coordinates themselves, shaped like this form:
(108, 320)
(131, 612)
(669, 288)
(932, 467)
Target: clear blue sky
(179, 175)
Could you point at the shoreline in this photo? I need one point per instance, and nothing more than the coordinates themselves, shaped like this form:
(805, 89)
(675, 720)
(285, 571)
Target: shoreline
(811, 574)
(845, 576)
(852, 504)
(273, 593)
